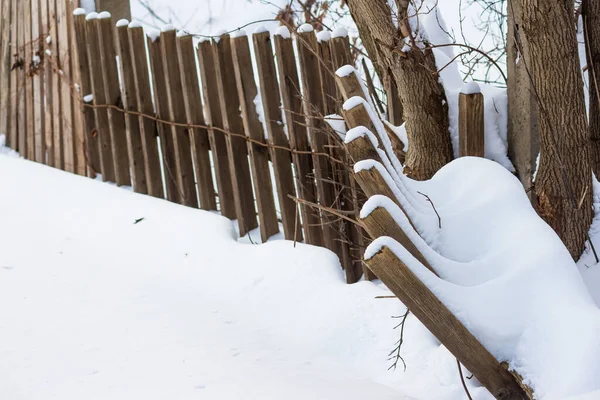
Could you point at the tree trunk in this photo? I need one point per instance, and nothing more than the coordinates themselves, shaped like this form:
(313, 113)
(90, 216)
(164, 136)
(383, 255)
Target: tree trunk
(415, 74)
(564, 180)
(591, 26)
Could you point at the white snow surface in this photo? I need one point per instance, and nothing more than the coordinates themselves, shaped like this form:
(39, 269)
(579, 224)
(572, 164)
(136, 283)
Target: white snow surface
(284, 32)
(104, 15)
(79, 11)
(470, 88)
(122, 22)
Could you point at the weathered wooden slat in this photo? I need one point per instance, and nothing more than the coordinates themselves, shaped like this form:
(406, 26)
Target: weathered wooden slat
(395, 111)
(5, 74)
(195, 116)
(13, 118)
(65, 75)
(90, 137)
(112, 92)
(291, 98)
(236, 145)
(29, 77)
(314, 111)
(259, 155)
(161, 103)
(135, 149)
(22, 81)
(471, 126)
(143, 93)
(444, 325)
(181, 137)
(282, 160)
(214, 118)
(38, 81)
(102, 132)
(53, 152)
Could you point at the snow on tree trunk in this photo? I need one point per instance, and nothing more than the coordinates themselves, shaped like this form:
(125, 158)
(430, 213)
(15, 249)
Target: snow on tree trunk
(398, 50)
(564, 181)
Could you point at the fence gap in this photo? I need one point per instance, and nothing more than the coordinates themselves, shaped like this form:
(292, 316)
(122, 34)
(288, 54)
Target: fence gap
(200, 145)
(282, 160)
(236, 146)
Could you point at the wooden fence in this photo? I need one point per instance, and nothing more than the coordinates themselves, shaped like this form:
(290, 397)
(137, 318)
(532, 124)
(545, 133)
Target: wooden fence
(233, 123)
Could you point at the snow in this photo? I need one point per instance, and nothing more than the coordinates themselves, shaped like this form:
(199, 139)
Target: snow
(79, 11)
(305, 28)
(260, 112)
(91, 16)
(167, 28)
(104, 15)
(337, 123)
(135, 24)
(122, 22)
(153, 34)
(261, 29)
(283, 31)
(345, 70)
(339, 32)
(182, 33)
(323, 36)
(470, 88)
(88, 98)
(239, 33)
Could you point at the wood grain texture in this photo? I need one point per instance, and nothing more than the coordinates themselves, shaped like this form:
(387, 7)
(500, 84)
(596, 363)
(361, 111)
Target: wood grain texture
(22, 81)
(237, 149)
(5, 66)
(38, 82)
(282, 160)
(291, 98)
(214, 119)
(195, 116)
(182, 149)
(143, 93)
(471, 126)
(259, 155)
(79, 140)
(64, 82)
(57, 108)
(30, 118)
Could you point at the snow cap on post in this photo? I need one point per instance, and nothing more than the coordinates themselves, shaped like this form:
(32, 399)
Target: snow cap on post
(345, 70)
(238, 33)
(323, 36)
(470, 88)
(261, 29)
(304, 28)
(79, 11)
(135, 24)
(104, 15)
(339, 32)
(182, 33)
(218, 35)
(283, 31)
(153, 34)
(91, 16)
(168, 28)
(122, 22)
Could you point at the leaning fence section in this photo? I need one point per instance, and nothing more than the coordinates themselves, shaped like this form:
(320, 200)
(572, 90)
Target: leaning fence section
(240, 124)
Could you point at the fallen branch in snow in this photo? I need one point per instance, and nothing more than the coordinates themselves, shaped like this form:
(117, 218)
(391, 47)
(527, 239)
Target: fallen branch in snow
(434, 209)
(395, 354)
(462, 380)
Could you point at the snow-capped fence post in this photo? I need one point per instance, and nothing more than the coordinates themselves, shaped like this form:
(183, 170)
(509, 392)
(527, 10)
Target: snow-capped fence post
(314, 111)
(159, 86)
(282, 159)
(195, 116)
(129, 100)
(236, 146)
(259, 153)
(445, 326)
(91, 142)
(107, 166)
(471, 124)
(143, 93)
(116, 118)
(214, 119)
(291, 98)
(180, 137)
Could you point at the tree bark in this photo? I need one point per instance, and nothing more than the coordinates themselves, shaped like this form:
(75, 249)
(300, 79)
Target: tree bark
(564, 180)
(591, 26)
(415, 74)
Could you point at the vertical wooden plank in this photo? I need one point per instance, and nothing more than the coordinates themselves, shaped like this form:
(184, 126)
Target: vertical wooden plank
(64, 62)
(112, 91)
(291, 97)
(314, 110)
(214, 119)
(282, 160)
(52, 108)
(22, 82)
(58, 120)
(14, 77)
(91, 137)
(79, 133)
(29, 73)
(5, 74)
(143, 92)
(162, 111)
(471, 126)
(259, 155)
(180, 135)
(395, 111)
(195, 116)
(236, 145)
(135, 149)
(38, 81)
(107, 165)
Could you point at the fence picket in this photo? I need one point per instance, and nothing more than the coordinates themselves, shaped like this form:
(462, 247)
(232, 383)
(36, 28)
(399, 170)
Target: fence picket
(57, 108)
(236, 146)
(291, 97)
(29, 90)
(22, 84)
(143, 93)
(314, 111)
(162, 111)
(5, 65)
(132, 123)
(38, 82)
(180, 136)
(64, 62)
(14, 77)
(214, 118)
(282, 162)
(112, 92)
(193, 109)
